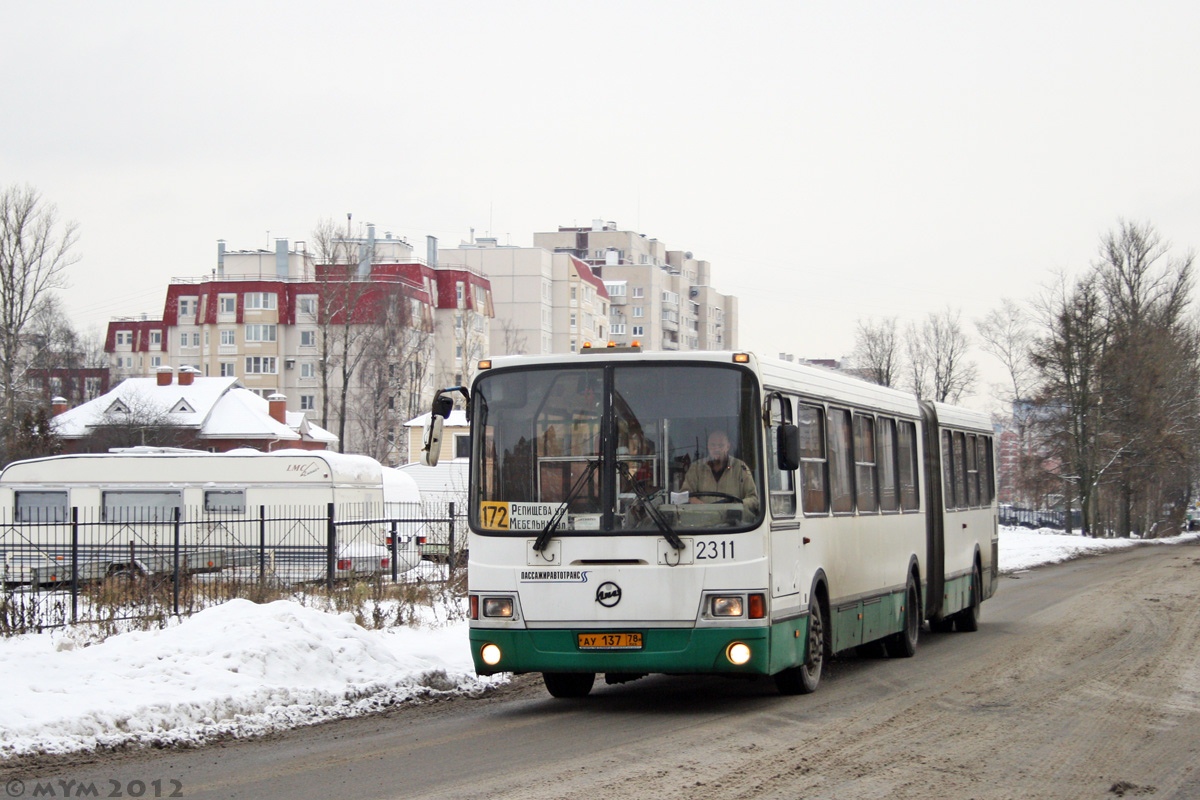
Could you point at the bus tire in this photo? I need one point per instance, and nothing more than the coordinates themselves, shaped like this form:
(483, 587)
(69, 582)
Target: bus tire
(568, 684)
(967, 620)
(904, 643)
(805, 678)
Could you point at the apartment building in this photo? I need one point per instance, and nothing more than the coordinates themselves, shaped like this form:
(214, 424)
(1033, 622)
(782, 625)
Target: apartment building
(545, 302)
(283, 323)
(661, 298)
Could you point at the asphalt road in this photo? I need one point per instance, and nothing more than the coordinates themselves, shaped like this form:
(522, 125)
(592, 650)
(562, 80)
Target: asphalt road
(1082, 682)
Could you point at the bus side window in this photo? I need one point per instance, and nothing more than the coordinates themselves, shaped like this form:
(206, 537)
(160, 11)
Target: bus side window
(780, 483)
(906, 451)
(960, 469)
(867, 497)
(949, 487)
(813, 475)
(885, 459)
(841, 461)
(972, 472)
(987, 480)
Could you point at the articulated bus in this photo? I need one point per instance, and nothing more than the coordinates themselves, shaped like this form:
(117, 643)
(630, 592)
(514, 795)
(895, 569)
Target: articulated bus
(844, 515)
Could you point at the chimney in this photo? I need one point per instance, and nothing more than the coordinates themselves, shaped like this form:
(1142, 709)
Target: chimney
(186, 375)
(57, 406)
(278, 405)
(166, 375)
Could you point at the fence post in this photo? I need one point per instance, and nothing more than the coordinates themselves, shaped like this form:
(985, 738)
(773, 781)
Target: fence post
(330, 551)
(395, 551)
(452, 558)
(74, 564)
(175, 565)
(262, 543)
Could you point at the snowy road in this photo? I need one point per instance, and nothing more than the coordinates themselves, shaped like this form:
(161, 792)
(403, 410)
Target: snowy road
(1083, 681)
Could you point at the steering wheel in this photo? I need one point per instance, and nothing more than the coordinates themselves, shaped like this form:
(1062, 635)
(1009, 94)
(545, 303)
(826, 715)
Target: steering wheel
(722, 497)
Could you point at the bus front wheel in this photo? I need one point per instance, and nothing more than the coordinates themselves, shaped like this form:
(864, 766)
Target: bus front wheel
(804, 678)
(569, 684)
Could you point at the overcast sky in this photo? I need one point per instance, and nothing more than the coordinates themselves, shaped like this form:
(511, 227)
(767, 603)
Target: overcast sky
(834, 162)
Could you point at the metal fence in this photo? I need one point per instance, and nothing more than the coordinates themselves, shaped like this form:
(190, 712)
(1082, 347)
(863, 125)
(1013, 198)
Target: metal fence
(99, 564)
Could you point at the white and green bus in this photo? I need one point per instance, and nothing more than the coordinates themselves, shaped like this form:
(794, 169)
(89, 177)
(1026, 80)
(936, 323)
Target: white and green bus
(856, 513)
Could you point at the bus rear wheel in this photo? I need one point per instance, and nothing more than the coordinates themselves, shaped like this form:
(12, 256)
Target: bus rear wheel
(804, 678)
(904, 643)
(569, 684)
(967, 620)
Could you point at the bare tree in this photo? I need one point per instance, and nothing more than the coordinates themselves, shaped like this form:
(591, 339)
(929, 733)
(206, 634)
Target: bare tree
(937, 354)
(515, 342)
(1007, 334)
(393, 374)
(35, 252)
(877, 354)
(1068, 357)
(1149, 376)
(135, 422)
(342, 287)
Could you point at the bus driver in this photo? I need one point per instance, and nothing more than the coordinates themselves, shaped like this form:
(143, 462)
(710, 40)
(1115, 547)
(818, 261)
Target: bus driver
(721, 474)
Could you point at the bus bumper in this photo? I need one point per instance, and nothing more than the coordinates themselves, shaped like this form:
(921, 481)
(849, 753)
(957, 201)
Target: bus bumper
(664, 650)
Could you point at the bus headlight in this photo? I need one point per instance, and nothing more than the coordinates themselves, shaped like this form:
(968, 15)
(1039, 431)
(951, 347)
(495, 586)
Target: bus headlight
(497, 607)
(490, 654)
(727, 606)
(738, 653)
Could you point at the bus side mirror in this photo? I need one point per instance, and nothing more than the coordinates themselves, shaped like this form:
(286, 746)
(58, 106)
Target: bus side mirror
(433, 441)
(788, 447)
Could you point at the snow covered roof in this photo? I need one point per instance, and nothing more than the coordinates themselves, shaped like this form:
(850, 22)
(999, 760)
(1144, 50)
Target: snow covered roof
(447, 478)
(216, 408)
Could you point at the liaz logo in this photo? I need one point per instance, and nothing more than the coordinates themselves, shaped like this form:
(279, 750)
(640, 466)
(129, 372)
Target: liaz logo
(608, 594)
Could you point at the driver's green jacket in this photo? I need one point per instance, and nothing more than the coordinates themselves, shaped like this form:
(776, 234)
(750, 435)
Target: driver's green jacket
(735, 479)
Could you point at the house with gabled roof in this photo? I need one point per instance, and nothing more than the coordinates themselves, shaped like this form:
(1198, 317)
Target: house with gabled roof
(217, 414)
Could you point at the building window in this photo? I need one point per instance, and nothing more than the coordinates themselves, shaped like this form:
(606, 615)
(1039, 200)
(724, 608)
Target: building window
(196, 339)
(260, 333)
(227, 304)
(639, 291)
(638, 311)
(227, 370)
(307, 305)
(308, 370)
(260, 365)
(183, 340)
(156, 338)
(261, 301)
(308, 402)
(462, 445)
(124, 338)
(308, 338)
(638, 330)
(229, 337)
(572, 322)
(156, 361)
(187, 306)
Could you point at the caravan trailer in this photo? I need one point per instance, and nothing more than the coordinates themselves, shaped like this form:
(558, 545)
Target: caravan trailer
(150, 508)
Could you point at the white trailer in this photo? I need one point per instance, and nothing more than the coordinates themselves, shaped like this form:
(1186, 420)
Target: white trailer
(155, 508)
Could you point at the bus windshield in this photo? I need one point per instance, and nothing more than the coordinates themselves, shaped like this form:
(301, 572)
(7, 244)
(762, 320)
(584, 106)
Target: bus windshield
(602, 448)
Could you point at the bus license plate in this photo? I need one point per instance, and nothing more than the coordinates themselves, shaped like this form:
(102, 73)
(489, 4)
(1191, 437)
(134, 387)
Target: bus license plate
(610, 641)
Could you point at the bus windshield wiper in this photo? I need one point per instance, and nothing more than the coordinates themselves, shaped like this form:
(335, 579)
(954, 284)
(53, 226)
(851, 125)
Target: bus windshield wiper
(643, 500)
(548, 531)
